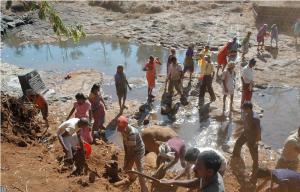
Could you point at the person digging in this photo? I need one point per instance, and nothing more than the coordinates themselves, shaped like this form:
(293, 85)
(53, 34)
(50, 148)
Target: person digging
(134, 152)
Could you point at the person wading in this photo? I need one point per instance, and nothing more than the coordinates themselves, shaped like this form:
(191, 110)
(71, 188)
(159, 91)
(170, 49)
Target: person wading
(150, 69)
(228, 79)
(175, 77)
(121, 84)
(189, 62)
(206, 77)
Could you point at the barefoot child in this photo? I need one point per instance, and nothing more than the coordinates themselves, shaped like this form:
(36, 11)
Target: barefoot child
(228, 79)
(121, 86)
(82, 107)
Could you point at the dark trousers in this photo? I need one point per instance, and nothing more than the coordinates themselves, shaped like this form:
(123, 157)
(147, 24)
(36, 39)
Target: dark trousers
(253, 148)
(206, 84)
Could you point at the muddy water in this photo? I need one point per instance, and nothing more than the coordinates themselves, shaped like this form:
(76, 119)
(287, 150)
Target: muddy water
(92, 53)
(281, 113)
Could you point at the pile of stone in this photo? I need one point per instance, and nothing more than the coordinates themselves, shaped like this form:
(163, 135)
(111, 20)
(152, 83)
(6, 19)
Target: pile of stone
(10, 22)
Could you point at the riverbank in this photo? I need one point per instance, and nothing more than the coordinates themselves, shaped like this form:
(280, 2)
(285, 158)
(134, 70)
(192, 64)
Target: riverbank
(61, 102)
(171, 24)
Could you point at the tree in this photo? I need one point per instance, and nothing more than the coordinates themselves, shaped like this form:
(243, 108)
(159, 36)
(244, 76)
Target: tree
(47, 12)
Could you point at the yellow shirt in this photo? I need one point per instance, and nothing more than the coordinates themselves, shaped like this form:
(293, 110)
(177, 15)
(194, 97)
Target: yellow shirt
(206, 68)
(202, 54)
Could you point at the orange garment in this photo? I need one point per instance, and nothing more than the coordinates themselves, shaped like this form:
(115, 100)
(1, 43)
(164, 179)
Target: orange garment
(39, 101)
(151, 72)
(221, 59)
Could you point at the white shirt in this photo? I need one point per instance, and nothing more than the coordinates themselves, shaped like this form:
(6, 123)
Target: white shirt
(289, 153)
(248, 74)
(229, 81)
(69, 126)
(175, 71)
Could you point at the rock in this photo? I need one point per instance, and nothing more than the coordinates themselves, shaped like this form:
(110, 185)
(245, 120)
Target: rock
(11, 25)
(7, 18)
(19, 22)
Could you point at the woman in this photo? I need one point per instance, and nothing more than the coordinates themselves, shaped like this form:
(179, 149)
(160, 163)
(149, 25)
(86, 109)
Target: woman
(262, 32)
(150, 69)
(188, 61)
(97, 105)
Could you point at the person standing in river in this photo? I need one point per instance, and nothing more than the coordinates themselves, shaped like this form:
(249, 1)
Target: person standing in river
(206, 77)
(121, 86)
(274, 35)
(189, 62)
(262, 33)
(150, 69)
(228, 79)
(175, 77)
(247, 78)
(169, 62)
(250, 136)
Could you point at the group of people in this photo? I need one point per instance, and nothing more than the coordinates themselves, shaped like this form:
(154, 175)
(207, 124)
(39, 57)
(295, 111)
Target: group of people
(208, 164)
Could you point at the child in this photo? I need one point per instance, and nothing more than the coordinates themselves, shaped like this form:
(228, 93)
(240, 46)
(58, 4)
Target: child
(82, 107)
(274, 34)
(228, 79)
(98, 106)
(121, 86)
(150, 69)
(39, 101)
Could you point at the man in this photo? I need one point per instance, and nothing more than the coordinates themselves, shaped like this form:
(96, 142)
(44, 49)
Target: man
(39, 102)
(246, 45)
(175, 76)
(150, 69)
(207, 177)
(250, 136)
(228, 79)
(191, 156)
(153, 137)
(189, 62)
(134, 149)
(121, 86)
(67, 134)
(290, 154)
(247, 81)
(169, 154)
(172, 54)
(206, 77)
(282, 180)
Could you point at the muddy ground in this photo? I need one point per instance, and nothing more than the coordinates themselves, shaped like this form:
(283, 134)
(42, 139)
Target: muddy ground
(35, 168)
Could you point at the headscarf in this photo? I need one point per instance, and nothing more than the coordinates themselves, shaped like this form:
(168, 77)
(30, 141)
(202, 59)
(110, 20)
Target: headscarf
(166, 151)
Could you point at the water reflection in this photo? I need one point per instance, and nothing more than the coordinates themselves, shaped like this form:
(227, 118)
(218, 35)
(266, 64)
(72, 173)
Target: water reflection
(92, 53)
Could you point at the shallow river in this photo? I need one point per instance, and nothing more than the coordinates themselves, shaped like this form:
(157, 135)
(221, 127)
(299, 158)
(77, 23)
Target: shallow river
(281, 105)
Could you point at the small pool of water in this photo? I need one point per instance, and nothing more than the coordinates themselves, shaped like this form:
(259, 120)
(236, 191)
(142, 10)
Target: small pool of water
(281, 113)
(91, 53)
